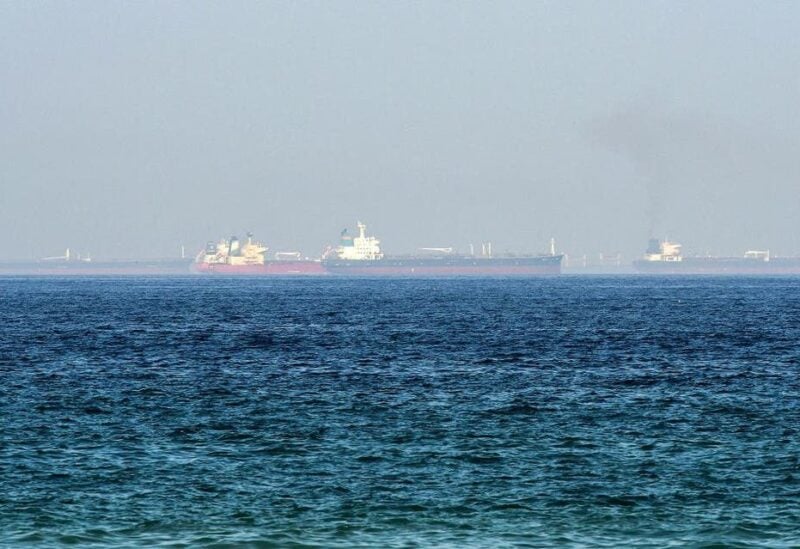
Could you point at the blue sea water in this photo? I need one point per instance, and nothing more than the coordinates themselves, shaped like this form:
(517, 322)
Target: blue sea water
(569, 411)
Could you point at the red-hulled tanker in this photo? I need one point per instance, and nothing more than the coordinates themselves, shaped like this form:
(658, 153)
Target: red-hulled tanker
(232, 257)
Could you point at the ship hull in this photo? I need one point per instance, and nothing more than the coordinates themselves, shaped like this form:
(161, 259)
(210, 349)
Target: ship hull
(97, 268)
(269, 268)
(721, 266)
(446, 266)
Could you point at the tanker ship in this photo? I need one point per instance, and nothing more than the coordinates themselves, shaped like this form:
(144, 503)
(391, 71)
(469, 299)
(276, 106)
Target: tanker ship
(76, 264)
(232, 257)
(665, 257)
(361, 255)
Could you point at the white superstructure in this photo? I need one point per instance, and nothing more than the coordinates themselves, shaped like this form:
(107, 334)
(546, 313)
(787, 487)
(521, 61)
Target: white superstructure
(663, 251)
(761, 255)
(358, 248)
(233, 252)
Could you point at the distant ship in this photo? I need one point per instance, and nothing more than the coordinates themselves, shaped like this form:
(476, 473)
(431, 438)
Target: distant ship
(232, 257)
(72, 264)
(665, 257)
(362, 255)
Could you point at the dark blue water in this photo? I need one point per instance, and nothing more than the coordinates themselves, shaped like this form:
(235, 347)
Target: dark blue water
(552, 412)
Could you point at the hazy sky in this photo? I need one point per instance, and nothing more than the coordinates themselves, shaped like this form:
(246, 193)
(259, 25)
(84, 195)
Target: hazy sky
(129, 128)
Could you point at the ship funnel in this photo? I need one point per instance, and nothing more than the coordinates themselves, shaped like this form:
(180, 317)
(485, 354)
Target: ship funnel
(552, 246)
(233, 246)
(653, 246)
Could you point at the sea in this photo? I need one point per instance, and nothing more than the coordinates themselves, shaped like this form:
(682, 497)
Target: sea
(570, 411)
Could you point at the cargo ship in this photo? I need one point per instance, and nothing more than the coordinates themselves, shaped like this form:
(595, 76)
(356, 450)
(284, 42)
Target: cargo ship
(665, 257)
(72, 264)
(361, 255)
(233, 257)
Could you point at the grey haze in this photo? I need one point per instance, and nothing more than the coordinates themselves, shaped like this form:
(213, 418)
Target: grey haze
(130, 128)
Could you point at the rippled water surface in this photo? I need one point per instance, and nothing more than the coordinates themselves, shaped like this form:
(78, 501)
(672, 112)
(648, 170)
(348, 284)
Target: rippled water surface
(549, 412)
